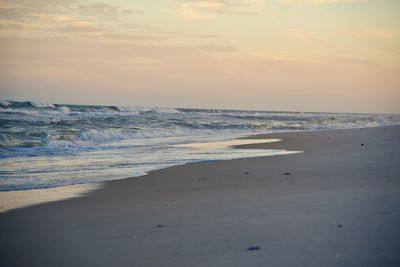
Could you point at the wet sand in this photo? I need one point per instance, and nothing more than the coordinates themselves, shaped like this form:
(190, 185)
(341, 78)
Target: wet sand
(336, 204)
(24, 198)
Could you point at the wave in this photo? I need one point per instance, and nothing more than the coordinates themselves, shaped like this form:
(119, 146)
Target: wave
(147, 110)
(20, 110)
(14, 106)
(5, 103)
(33, 124)
(25, 104)
(41, 105)
(64, 109)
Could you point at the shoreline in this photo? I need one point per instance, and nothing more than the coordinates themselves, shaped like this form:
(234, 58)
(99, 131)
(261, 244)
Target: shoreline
(16, 199)
(336, 204)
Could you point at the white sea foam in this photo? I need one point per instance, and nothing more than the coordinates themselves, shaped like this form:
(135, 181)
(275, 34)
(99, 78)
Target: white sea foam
(227, 144)
(20, 110)
(148, 110)
(64, 109)
(95, 137)
(4, 103)
(41, 105)
(102, 136)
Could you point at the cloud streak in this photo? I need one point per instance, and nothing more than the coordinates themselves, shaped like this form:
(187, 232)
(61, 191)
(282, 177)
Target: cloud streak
(374, 33)
(318, 2)
(107, 10)
(201, 9)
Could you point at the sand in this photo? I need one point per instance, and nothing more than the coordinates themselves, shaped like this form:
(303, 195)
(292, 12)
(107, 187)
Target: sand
(336, 204)
(24, 198)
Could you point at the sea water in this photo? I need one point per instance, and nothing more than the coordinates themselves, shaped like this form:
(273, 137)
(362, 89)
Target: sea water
(48, 145)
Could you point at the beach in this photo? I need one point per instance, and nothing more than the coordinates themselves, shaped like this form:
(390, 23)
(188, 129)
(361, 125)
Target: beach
(335, 204)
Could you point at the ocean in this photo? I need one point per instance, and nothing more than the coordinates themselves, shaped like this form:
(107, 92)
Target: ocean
(46, 145)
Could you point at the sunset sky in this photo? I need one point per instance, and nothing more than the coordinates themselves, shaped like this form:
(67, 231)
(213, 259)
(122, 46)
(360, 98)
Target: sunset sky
(297, 55)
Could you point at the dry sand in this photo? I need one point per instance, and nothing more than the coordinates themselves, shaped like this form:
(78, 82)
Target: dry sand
(337, 205)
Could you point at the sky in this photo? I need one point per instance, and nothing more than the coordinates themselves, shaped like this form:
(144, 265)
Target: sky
(293, 55)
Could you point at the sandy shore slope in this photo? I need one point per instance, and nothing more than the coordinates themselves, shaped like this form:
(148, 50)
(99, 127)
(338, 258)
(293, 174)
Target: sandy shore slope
(24, 198)
(336, 204)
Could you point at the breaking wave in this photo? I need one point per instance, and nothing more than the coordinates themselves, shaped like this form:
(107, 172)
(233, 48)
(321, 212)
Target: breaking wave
(32, 124)
(83, 143)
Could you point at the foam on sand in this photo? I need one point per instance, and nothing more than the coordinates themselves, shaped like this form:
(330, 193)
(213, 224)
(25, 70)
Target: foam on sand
(227, 144)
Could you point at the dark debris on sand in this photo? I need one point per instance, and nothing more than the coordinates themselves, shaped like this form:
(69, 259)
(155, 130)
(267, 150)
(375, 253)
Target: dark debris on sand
(253, 248)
